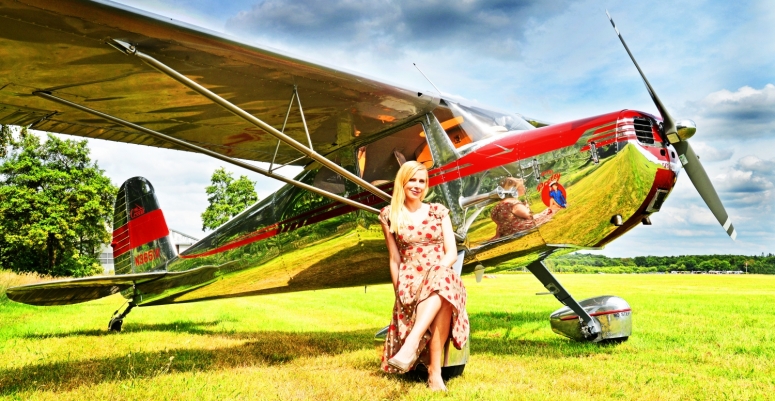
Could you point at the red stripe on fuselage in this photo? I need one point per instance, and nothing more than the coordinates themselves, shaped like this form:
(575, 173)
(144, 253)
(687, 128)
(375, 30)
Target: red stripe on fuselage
(524, 145)
(610, 312)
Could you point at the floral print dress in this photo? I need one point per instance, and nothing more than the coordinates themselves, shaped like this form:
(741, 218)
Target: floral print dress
(422, 249)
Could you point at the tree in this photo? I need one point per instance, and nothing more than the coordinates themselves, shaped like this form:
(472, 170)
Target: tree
(55, 206)
(227, 197)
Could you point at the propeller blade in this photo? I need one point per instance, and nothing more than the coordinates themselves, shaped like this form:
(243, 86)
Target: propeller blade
(668, 123)
(677, 134)
(700, 179)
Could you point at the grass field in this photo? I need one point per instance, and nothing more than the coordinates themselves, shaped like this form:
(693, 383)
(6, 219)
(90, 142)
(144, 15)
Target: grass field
(695, 337)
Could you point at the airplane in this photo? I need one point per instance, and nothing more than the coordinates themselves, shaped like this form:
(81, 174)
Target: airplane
(518, 190)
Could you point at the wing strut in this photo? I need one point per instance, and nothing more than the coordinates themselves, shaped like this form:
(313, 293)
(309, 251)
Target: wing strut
(163, 68)
(285, 122)
(199, 149)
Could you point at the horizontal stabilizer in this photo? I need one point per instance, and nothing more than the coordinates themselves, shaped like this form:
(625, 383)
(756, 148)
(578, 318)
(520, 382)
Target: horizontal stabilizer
(73, 291)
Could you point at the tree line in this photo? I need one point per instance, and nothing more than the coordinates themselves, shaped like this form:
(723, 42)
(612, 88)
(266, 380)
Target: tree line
(587, 263)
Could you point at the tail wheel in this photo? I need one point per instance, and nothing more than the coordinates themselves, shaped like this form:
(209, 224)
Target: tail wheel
(115, 325)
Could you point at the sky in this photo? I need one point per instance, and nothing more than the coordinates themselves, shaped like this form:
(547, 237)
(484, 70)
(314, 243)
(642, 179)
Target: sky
(709, 61)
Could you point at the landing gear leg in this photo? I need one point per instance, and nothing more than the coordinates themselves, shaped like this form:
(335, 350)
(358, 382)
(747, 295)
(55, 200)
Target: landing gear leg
(118, 319)
(590, 327)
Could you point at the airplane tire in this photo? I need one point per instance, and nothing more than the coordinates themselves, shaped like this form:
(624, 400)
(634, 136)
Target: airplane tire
(614, 341)
(115, 325)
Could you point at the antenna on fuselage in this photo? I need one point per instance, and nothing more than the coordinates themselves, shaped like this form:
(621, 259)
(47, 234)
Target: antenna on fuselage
(426, 77)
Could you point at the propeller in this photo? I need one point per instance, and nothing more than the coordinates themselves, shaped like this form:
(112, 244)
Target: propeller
(677, 134)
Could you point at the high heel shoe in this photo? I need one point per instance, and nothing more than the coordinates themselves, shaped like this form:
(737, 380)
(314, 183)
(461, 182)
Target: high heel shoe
(401, 366)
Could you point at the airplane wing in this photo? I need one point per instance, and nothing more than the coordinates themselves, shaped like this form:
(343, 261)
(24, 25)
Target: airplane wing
(59, 46)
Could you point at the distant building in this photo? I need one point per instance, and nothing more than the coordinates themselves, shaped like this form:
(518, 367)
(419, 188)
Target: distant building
(106, 259)
(180, 241)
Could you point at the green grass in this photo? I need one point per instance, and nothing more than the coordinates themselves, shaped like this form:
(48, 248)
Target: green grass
(695, 337)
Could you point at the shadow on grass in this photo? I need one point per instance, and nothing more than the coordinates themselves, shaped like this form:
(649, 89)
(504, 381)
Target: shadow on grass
(178, 326)
(266, 348)
(520, 328)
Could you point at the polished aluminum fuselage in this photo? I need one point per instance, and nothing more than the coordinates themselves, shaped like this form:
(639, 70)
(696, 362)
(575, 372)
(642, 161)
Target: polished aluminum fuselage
(294, 240)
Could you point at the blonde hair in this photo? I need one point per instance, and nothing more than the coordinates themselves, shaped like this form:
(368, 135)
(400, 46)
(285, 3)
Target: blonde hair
(399, 216)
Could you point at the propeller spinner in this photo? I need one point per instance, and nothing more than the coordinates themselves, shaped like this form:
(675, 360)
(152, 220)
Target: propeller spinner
(677, 134)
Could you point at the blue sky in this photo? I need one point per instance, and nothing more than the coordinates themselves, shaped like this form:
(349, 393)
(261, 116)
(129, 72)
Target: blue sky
(710, 61)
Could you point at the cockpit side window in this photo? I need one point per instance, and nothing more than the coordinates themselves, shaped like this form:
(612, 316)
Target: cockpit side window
(378, 162)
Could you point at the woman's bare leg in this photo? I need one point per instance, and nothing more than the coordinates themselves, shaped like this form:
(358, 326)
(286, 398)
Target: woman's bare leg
(439, 334)
(426, 312)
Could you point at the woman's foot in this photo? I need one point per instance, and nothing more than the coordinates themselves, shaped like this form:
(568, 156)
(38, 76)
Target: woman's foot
(436, 383)
(406, 356)
(404, 359)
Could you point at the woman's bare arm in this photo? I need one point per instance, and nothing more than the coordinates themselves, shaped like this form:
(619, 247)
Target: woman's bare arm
(450, 247)
(395, 255)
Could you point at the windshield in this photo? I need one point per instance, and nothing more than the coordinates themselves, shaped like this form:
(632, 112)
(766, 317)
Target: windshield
(468, 124)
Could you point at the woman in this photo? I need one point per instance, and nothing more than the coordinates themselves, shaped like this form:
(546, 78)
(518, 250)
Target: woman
(430, 297)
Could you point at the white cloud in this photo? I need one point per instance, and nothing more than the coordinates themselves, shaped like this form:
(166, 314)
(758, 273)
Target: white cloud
(755, 164)
(743, 114)
(745, 97)
(709, 153)
(692, 233)
(742, 181)
(748, 185)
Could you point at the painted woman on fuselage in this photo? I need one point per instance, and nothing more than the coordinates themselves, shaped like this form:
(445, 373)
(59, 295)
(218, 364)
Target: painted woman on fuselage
(430, 297)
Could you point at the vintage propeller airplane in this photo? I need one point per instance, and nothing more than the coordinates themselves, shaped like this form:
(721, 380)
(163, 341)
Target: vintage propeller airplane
(517, 190)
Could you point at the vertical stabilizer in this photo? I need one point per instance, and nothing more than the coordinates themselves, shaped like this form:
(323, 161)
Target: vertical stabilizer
(140, 236)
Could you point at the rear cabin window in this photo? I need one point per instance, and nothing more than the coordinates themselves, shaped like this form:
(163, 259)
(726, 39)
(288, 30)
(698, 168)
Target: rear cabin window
(329, 181)
(378, 162)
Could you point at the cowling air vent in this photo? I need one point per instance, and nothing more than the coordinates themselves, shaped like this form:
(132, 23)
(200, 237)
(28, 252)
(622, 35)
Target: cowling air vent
(643, 130)
(657, 200)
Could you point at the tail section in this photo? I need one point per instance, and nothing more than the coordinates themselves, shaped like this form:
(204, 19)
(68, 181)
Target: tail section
(140, 237)
(141, 249)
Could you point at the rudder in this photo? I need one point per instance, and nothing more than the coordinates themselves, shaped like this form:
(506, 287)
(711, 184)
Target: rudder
(141, 242)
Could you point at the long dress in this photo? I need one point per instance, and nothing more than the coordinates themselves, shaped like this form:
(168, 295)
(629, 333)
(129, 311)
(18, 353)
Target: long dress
(422, 248)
